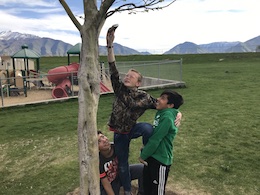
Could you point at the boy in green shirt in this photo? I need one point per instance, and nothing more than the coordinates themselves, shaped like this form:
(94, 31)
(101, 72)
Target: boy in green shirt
(157, 154)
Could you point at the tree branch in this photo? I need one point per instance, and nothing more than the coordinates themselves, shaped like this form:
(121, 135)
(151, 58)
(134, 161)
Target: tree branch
(146, 6)
(105, 6)
(70, 14)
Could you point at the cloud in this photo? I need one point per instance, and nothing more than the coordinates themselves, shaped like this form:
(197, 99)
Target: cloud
(197, 21)
(27, 3)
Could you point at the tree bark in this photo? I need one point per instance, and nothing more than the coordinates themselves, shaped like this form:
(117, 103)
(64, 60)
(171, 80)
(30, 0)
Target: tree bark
(89, 92)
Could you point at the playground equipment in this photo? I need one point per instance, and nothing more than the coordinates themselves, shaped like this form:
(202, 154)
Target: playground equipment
(4, 76)
(11, 85)
(16, 69)
(62, 76)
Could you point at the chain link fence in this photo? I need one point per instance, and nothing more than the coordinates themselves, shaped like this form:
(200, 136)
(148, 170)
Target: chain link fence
(22, 89)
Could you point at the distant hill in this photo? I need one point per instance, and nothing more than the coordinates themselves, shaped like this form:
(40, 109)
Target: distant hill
(119, 50)
(11, 42)
(186, 48)
(248, 46)
(216, 47)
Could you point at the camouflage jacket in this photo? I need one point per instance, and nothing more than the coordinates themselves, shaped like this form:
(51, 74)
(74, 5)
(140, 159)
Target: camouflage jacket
(128, 105)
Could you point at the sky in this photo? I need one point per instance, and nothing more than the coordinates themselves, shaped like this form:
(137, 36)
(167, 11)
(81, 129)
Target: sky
(197, 21)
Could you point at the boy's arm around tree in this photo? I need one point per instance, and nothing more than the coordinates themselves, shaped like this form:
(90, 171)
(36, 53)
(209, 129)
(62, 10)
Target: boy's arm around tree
(107, 186)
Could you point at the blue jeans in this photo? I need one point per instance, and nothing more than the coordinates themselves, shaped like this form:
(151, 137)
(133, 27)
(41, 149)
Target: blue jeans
(122, 142)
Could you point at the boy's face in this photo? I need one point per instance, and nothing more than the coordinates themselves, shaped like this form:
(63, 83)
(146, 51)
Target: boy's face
(103, 143)
(131, 79)
(162, 103)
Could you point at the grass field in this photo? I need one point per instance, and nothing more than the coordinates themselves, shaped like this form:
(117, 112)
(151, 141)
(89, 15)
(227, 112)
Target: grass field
(216, 149)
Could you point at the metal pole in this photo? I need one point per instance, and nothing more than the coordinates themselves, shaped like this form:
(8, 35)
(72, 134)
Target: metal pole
(72, 83)
(181, 69)
(158, 73)
(2, 93)
(24, 83)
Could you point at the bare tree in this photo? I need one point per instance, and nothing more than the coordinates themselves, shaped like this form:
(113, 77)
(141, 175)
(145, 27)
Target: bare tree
(89, 79)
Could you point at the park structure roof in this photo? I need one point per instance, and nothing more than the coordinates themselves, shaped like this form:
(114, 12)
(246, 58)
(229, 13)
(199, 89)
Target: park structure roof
(74, 50)
(26, 54)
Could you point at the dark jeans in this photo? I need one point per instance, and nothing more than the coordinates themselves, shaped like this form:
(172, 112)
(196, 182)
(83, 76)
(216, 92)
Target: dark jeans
(122, 142)
(136, 171)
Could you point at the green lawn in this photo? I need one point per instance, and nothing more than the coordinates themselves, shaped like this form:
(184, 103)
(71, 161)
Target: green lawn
(216, 149)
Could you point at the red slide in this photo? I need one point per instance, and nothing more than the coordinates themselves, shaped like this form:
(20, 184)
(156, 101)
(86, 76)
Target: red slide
(103, 88)
(60, 77)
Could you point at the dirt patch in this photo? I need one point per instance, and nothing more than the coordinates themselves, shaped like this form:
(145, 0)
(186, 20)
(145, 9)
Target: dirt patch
(134, 191)
(36, 95)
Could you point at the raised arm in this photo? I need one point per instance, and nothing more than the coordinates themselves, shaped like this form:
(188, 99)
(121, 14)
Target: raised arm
(110, 40)
(114, 74)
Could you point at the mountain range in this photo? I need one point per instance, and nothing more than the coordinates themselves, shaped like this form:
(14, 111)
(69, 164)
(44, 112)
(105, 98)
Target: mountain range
(11, 42)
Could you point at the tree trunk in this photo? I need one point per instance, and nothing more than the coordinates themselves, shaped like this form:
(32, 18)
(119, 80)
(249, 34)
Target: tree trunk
(89, 92)
(89, 85)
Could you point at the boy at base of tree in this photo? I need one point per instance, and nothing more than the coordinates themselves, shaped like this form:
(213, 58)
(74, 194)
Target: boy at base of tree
(130, 103)
(157, 154)
(108, 166)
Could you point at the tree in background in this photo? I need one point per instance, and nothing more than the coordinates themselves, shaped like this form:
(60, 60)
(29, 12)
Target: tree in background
(95, 15)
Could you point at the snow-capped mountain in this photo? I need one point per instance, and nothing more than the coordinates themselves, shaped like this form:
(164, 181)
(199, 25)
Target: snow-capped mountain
(11, 42)
(7, 35)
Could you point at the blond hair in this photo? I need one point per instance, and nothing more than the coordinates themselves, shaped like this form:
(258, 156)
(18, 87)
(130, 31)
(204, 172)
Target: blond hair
(140, 76)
